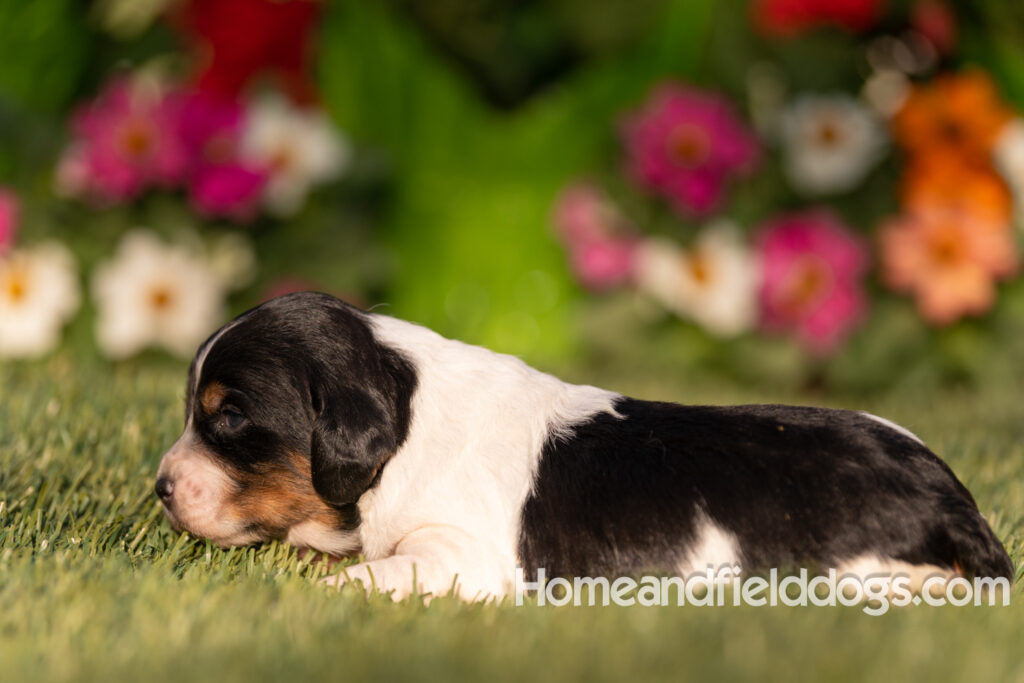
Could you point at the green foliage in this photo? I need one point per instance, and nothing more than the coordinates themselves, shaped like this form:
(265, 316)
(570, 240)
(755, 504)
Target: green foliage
(470, 226)
(43, 48)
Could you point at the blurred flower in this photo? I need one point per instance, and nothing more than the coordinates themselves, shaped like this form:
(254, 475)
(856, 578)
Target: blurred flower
(685, 144)
(221, 183)
(226, 190)
(242, 39)
(944, 182)
(714, 283)
(296, 148)
(154, 294)
(600, 241)
(583, 213)
(936, 21)
(886, 90)
(790, 17)
(233, 260)
(948, 260)
(125, 140)
(10, 208)
(829, 143)
(1009, 158)
(958, 114)
(603, 264)
(39, 292)
(812, 278)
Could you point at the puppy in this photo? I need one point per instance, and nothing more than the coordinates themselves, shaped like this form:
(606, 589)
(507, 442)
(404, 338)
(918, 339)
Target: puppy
(449, 466)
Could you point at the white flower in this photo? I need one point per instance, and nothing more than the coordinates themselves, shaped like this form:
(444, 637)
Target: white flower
(829, 143)
(154, 294)
(1009, 158)
(714, 283)
(299, 148)
(39, 292)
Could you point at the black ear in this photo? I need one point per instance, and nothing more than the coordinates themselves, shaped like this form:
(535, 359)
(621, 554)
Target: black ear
(360, 424)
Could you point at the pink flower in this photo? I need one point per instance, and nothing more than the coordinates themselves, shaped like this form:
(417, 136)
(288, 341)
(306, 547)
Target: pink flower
(685, 144)
(600, 241)
(221, 184)
(603, 264)
(127, 139)
(813, 269)
(583, 214)
(10, 210)
(227, 190)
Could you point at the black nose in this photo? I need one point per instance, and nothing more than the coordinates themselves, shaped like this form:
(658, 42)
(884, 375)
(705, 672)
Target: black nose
(164, 488)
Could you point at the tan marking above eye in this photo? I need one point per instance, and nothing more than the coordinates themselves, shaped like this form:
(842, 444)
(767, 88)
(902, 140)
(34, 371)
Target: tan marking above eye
(212, 397)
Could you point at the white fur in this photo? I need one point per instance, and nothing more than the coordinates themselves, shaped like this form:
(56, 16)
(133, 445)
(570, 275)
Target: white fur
(199, 366)
(867, 566)
(449, 501)
(200, 489)
(713, 548)
(892, 425)
(326, 539)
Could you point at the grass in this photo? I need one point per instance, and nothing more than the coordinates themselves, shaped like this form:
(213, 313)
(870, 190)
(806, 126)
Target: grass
(95, 586)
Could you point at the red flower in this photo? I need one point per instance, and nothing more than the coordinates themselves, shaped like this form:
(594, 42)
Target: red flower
(241, 39)
(789, 17)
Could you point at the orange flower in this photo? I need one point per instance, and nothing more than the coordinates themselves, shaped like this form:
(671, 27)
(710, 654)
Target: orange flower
(949, 260)
(937, 181)
(957, 113)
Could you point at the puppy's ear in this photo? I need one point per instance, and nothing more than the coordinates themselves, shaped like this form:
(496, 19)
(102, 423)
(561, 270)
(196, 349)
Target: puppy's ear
(360, 424)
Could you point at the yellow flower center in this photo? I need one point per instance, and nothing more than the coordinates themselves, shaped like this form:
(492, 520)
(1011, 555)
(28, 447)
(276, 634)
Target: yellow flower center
(282, 159)
(808, 282)
(946, 248)
(689, 145)
(161, 298)
(136, 139)
(700, 268)
(14, 284)
(829, 134)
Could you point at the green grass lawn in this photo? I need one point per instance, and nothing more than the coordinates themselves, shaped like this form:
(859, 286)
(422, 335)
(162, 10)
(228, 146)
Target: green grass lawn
(95, 586)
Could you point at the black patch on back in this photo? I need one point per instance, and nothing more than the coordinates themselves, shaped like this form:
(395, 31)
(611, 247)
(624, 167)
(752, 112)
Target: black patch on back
(795, 486)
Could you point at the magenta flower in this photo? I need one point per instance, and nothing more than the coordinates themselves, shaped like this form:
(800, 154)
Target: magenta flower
(10, 209)
(127, 139)
(220, 184)
(812, 269)
(230, 190)
(600, 241)
(686, 144)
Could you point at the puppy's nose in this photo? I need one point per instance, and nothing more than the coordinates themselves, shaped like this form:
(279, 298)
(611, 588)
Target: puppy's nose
(164, 488)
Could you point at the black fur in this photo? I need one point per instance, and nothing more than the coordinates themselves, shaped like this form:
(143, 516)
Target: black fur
(795, 486)
(307, 375)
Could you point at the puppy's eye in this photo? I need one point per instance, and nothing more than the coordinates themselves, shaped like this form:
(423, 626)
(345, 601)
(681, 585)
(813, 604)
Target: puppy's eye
(231, 417)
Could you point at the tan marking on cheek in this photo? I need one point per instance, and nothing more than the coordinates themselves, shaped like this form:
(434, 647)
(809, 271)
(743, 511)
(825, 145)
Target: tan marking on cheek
(279, 496)
(212, 397)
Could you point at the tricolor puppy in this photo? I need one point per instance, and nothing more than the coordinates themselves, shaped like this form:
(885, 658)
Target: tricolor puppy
(344, 431)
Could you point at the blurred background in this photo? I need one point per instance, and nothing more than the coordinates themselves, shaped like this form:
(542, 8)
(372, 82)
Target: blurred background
(816, 195)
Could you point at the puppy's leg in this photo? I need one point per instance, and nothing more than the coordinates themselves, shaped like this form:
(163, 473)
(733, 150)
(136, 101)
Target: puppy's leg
(433, 560)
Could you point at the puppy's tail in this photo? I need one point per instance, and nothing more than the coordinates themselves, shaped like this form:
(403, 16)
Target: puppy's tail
(975, 549)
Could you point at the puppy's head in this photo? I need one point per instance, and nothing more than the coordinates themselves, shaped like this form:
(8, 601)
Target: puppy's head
(291, 412)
